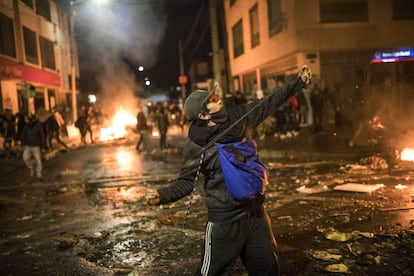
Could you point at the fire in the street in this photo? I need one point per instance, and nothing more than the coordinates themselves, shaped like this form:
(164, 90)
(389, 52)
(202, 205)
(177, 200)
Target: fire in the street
(117, 129)
(407, 154)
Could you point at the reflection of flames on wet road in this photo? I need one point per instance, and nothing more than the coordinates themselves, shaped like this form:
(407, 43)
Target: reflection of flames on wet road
(117, 129)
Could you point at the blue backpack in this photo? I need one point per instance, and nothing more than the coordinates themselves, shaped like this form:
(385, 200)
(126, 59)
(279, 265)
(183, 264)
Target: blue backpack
(244, 174)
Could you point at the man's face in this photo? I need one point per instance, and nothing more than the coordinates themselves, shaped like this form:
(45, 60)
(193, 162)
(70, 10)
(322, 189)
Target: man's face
(214, 104)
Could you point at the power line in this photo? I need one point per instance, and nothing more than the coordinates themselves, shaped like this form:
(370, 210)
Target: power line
(194, 25)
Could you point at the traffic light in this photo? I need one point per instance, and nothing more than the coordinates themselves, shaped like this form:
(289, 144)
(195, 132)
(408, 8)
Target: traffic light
(28, 90)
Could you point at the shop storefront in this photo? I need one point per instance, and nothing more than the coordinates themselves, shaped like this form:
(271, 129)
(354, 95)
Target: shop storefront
(14, 80)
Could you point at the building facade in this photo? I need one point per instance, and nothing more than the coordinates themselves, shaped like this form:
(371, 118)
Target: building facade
(269, 40)
(38, 56)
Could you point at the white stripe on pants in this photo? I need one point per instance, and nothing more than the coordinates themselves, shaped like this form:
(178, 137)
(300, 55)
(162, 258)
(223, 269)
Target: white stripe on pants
(207, 250)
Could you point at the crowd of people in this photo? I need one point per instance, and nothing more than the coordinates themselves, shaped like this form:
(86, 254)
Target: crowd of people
(54, 125)
(29, 135)
(159, 117)
(309, 107)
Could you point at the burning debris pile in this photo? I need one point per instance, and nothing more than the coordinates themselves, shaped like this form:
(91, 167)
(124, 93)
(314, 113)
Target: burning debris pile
(117, 128)
(407, 154)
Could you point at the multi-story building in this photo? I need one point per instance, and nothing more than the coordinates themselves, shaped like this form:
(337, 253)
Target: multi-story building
(38, 56)
(352, 46)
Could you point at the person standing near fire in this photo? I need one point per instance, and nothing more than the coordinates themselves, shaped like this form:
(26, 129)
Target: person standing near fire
(52, 131)
(161, 118)
(83, 124)
(143, 130)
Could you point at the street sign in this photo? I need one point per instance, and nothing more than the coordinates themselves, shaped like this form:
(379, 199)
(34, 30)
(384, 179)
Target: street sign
(182, 79)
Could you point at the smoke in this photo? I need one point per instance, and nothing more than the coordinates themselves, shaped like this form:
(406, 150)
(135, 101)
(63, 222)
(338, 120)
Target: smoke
(112, 39)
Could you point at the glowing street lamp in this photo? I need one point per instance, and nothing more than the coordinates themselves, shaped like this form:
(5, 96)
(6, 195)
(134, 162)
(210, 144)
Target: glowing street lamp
(92, 98)
(101, 2)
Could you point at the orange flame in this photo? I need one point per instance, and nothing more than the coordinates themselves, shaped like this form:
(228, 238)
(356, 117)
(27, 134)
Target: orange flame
(118, 127)
(407, 154)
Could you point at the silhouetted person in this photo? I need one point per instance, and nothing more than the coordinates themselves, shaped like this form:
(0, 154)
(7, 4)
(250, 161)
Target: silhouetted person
(143, 130)
(33, 141)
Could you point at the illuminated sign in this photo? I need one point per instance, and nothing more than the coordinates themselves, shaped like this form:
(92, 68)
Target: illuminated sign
(393, 55)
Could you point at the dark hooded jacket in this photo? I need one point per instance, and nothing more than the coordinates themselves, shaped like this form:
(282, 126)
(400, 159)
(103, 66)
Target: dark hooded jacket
(33, 134)
(222, 208)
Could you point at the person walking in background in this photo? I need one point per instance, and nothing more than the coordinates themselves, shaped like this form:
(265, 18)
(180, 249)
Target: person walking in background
(59, 119)
(67, 121)
(20, 125)
(52, 130)
(318, 104)
(33, 141)
(161, 119)
(9, 131)
(82, 123)
(303, 108)
(236, 227)
(143, 130)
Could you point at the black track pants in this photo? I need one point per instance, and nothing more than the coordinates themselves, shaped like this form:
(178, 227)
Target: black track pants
(251, 239)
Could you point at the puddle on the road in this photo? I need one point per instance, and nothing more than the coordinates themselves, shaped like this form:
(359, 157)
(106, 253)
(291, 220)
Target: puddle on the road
(131, 247)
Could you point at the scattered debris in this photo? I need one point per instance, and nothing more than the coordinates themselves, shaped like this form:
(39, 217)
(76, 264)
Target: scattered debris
(312, 190)
(407, 207)
(337, 268)
(332, 234)
(375, 162)
(400, 186)
(324, 255)
(68, 171)
(64, 243)
(360, 188)
(25, 217)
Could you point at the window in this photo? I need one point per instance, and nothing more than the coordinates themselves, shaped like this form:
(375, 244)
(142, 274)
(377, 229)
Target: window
(275, 16)
(254, 26)
(43, 8)
(402, 9)
(238, 47)
(7, 44)
(47, 53)
(30, 46)
(28, 3)
(334, 11)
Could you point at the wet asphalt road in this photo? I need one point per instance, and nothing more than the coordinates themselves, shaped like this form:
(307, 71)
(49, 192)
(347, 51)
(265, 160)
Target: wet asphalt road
(88, 216)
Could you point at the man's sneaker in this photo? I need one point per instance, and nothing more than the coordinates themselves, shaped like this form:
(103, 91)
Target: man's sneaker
(31, 173)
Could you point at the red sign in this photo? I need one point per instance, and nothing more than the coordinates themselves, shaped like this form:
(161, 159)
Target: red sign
(182, 79)
(13, 70)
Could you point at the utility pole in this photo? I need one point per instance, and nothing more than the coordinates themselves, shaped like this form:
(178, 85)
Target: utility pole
(73, 67)
(182, 79)
(215, 46)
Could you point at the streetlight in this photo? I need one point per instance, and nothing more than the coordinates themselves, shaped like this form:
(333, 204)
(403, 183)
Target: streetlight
(100, 2)
(92, 98)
